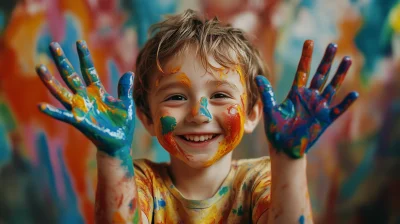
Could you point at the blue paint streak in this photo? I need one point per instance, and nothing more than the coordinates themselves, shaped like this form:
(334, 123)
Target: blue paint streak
(301, 219)
(159, 204)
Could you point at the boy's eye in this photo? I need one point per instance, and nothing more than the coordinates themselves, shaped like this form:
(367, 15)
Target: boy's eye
(219, 95)
(176, 97)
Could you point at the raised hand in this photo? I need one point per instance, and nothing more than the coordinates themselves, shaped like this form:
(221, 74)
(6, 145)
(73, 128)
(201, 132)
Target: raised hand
(295, 125)
(108, 122)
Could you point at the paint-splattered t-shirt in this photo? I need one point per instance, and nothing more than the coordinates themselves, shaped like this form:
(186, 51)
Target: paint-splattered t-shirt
(242, 198)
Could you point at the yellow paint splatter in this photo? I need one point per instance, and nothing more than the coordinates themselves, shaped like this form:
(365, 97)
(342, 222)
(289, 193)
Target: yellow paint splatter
(394, 18)
(239, 70)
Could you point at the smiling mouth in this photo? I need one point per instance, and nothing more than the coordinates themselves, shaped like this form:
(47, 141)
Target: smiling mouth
(198, 138)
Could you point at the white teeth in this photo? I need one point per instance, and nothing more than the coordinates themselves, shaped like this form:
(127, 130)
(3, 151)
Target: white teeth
(198, 138)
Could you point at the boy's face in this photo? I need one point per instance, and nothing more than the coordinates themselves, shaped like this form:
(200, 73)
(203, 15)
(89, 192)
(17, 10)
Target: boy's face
(197, 116)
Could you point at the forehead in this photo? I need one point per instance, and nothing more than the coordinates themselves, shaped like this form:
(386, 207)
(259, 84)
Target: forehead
(189, 63)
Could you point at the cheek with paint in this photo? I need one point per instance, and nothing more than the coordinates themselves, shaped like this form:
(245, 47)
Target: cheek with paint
(167, 125)
(233, 125)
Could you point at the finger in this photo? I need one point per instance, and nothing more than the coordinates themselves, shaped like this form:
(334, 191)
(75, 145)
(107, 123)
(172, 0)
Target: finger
(303, 69)
(56, 89)
(89, 73)
(343, 106)
(59, 114)
(125, 90)
(334, 85)
(320, 77)
(266, 92)
(70, 77)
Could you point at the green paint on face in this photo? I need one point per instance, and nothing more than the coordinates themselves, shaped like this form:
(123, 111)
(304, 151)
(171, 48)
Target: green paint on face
(168, 124)
(223, 190)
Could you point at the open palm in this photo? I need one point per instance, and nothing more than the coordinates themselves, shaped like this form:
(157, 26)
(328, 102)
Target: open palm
(295, 125)
(108, 122)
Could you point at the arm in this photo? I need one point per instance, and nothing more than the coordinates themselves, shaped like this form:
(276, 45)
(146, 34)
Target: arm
(293, 127)
(108, 122)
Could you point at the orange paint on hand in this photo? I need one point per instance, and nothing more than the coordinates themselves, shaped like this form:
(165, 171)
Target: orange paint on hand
(59, 51)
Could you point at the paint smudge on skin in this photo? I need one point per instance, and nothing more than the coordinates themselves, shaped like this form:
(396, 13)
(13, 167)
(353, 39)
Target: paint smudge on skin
(201, 108)
(234, 121)
(166, 138)
(239, 70)
(184, 80)
(168, 124)
(243, 99)
(169, 72)
(301, 219)
(221, 73)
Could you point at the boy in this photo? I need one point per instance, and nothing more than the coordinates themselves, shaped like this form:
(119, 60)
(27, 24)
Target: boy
(195, 89)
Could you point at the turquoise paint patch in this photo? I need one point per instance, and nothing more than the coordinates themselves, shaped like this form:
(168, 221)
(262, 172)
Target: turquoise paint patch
(223, 190)
(203, 110)
(168, 124)
(125, 156)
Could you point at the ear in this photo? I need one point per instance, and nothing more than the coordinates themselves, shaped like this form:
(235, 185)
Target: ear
(147, 122)
(253, 117)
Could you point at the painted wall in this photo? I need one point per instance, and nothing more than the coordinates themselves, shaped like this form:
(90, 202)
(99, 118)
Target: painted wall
(48, 169)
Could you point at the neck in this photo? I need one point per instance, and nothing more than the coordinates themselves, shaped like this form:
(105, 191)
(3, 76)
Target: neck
(199, 183)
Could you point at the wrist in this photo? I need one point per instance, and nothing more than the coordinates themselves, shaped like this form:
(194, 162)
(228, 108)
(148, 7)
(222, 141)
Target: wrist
(283, 162)
(117, 159)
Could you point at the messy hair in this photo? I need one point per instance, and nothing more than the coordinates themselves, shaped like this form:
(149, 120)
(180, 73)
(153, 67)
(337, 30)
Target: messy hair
(228, 46)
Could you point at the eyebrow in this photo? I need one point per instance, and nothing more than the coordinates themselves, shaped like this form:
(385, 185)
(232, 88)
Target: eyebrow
(224, 83)
(170, 85)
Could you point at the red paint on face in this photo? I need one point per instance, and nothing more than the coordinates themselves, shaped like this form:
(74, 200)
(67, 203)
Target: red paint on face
(234, 129)
(169, 144)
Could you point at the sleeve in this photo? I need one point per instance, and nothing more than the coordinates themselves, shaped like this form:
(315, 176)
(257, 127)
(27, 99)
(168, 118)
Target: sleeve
(261, 192)
(144, 184)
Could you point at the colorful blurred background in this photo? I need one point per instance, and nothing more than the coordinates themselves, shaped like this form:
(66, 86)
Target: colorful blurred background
(48, 169)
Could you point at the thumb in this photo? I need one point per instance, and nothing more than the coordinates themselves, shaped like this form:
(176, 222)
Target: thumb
(267, 94)
(125, 91)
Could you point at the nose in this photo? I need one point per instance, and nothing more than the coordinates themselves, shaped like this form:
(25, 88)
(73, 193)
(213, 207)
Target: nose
(200, 113)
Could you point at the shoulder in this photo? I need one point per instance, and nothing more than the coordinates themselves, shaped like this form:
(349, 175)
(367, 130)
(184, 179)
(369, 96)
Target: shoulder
(148, 168)
(252, 168)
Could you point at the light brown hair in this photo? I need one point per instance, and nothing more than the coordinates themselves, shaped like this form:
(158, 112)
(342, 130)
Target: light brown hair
(226, 44)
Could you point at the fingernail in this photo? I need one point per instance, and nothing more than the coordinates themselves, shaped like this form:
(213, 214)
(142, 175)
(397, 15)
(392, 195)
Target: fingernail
(55, 47)
(82, 46)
